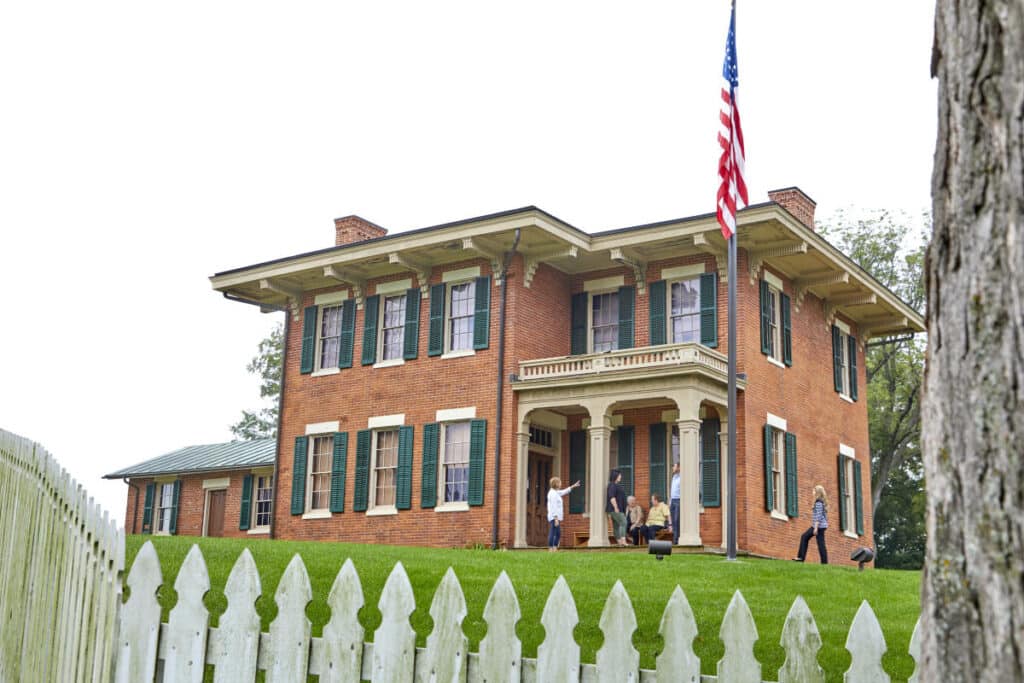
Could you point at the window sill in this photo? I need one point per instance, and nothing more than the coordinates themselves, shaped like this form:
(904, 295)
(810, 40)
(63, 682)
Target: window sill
(382, 511)
(779, 516)
(452, 507)
(846, 398)
(850, 534)
(776, 362)
(326, 371)
(317, 514)
(261, 531)
(394, 362)
(459, 354)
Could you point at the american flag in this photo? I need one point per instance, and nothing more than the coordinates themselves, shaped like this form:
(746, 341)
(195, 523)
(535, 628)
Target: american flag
(732, 193)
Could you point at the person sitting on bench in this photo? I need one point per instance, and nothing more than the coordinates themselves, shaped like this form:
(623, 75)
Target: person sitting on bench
(634, 519)
(658, 517)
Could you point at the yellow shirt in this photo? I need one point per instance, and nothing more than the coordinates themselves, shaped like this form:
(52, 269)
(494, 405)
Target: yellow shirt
(658, 515)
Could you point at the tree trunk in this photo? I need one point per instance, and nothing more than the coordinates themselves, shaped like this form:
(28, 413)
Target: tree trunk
(973, 412)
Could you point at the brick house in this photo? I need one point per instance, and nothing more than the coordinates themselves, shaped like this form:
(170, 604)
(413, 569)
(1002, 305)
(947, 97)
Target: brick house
(222, 489)
(435, 379)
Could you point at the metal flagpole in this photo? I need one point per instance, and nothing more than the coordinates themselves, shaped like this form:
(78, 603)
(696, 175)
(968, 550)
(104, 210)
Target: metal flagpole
(730, 551)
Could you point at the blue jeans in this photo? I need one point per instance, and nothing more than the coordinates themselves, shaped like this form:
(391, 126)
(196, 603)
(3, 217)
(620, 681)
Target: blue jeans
(554, 534)
(673, 508)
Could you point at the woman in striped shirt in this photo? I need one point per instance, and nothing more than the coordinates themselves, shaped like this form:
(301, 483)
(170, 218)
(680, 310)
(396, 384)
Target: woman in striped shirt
(819, 522)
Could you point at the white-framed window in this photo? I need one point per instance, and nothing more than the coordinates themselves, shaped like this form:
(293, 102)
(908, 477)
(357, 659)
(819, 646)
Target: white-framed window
(165, 507)
(384, 468)
(777, 478)
(604, 321)
(454, 462)
(774, 324)
(392, 328)
(262, 495)
(321, 452)
(461, 303)
(842, 358)
(847, 496)
(684, 310)
(328, 337)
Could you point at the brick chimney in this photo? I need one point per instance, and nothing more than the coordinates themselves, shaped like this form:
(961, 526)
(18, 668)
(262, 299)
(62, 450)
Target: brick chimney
(350, 229)
(793, 199)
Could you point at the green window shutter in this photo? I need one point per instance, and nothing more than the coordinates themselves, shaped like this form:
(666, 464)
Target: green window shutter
(482, 313)
(348, 333)
(769, 499)
(147, 510)
(852, 348)
(370, 308)
(858, 500)
(428, 484)
(791, 491)
(710, 463)
(299, 476)
(477, 454)
(627, 438)
(627, 307)
(766, 318)
(577, 471)
(339, 465)
(174, 506)
(308, 340)
(578, 341)
(246, 512)
(842, 493)
(658, 451)
(837, 359)
(362, 470)
(435, 340)
(411, 343)
(709, 309)
(656, 313)
(403, 487)
(787, 332)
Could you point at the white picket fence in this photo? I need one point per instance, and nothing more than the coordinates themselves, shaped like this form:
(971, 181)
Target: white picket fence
(61, 564)
(180, 649)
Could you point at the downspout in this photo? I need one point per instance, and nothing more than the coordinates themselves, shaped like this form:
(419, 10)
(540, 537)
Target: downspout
(135, 515)
(280, 397)
(501, 386)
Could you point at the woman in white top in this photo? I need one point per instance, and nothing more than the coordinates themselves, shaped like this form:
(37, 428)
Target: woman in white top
(555, 512)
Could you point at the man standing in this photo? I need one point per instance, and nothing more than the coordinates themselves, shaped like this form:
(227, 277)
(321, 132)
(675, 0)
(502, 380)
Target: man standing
(673, 497)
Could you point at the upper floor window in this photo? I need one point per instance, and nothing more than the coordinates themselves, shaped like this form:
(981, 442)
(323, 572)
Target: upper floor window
(460, 316)
(384, 468)
(329, 339)
(776, 331)
(327, 333)
(604, 322)
(455, 462)
(844, 361)
(393, 327)
(319, 477)
(685, 311)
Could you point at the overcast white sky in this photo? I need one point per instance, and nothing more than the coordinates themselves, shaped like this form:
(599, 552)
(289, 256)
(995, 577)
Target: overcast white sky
(146, 146)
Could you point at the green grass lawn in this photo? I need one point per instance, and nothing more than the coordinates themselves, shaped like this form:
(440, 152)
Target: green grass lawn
(833, 593)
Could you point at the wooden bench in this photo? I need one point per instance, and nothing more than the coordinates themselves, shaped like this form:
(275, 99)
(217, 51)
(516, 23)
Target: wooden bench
(580, 538)
(662, 535)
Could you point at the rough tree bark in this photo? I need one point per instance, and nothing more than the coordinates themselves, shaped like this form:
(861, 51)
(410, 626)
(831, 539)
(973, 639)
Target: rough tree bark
(973, 409)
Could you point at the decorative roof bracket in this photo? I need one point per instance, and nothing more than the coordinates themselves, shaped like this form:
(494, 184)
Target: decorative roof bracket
(293, 292)
(803, 285)
(490, 252)
(701, 241)
(354, 279)
(422, 270)
(631, 260)
(757, 258)
(533, 259)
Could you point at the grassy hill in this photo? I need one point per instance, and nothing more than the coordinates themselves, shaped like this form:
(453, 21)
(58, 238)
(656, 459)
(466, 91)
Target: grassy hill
(833, 593)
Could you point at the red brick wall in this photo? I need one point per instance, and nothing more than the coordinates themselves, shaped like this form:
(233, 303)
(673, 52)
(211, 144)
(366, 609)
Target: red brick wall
(191, 504)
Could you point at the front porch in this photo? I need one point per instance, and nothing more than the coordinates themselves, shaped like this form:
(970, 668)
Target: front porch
(638, 410)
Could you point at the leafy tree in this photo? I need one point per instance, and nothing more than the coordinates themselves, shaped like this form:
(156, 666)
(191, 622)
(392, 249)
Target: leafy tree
(882, 244)
(262, 423)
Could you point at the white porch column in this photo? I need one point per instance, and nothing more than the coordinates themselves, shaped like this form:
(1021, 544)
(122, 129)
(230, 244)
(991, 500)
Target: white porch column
(689, 476)
(600, 445)
(723, 461)
(522, 462)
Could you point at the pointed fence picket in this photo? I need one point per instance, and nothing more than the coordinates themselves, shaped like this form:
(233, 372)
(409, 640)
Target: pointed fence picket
(61, 567)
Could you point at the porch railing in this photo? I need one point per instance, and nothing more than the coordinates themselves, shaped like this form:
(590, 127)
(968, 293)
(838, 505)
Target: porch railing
(664, 356)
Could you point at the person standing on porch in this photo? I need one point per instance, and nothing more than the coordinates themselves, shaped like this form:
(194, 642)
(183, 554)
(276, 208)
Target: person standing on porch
(555, 512)
(615, 506)
(673, 503)
(819, 522)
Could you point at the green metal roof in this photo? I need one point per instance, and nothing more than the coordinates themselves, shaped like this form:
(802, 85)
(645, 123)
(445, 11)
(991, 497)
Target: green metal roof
(234, 455)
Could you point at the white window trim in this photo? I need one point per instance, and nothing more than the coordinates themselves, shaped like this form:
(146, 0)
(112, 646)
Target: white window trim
(323, 372)
(390, 362)
(682, 272)
(461, 506)
(778, 515)
(773, 280)
(450, 506)
(392, 288)
(447, 318)
(460, 275)
(843, 327)
(316, 514)
(850, 534)
(331, 298)
(463, 353)
(256, 473)
(455, 414)
(381, 510)
(372, 509)
(590, 310)
(386, 421)
(604, 284)
(848, 451)
(777, 422)
(319, 512)
(776, 363)
(220, 483)
(322, 428)
(259, 531)
(669, 327)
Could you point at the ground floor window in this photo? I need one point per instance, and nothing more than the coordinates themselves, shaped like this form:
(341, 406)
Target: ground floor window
(264, 486)
(320, 471)
(165, 507)
(384, 468)
(455, 462)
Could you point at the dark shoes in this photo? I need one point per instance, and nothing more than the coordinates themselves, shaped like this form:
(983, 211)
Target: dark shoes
(798, 559)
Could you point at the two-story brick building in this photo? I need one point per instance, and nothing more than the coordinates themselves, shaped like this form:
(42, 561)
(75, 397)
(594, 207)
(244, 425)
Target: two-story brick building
(436, 379)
